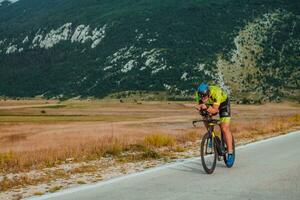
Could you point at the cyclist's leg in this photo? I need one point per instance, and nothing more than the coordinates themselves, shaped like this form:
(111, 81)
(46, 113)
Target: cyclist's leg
(225, 127)
(225, 124)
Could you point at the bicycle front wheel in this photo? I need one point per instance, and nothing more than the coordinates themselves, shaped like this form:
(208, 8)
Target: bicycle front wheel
(208, 153)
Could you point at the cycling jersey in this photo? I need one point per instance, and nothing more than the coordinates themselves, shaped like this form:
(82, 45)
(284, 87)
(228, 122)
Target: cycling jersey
(218, 97)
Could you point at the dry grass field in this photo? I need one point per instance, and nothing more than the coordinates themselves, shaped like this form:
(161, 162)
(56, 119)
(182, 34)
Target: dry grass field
(35, 134)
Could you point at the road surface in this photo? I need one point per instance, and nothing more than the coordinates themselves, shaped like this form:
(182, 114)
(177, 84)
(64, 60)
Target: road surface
(268, 169)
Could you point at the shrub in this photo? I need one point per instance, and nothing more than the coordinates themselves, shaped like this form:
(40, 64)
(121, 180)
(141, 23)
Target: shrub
(159, 140)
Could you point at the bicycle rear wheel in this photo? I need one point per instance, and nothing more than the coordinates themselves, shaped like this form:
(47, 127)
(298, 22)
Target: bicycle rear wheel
(233, 148)
(208, 153)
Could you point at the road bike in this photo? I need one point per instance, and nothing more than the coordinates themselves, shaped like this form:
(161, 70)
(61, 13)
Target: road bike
(212, 147)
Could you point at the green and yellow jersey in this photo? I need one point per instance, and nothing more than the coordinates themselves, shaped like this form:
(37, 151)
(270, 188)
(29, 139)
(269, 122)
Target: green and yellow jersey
(217, 96)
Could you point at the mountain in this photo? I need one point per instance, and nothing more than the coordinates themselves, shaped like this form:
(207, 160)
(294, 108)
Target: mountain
(98, 47)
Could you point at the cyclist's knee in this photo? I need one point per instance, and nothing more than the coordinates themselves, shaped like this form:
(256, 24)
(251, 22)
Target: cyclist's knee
(225, 128)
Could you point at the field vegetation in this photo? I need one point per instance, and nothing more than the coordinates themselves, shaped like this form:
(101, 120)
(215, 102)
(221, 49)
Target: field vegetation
(82, 131)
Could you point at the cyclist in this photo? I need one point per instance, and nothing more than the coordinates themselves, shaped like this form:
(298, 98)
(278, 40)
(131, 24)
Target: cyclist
(215, 100)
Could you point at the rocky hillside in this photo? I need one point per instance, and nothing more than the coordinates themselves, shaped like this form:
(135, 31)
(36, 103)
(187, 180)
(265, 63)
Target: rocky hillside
(73, 48)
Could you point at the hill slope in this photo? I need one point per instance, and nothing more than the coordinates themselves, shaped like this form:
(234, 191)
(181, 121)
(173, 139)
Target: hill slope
(97, 47)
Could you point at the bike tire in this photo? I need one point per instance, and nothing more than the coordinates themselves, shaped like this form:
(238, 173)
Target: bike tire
(209, 169)
(233, 148)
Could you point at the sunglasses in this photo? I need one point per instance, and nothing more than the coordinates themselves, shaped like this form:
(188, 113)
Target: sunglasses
(202, 95)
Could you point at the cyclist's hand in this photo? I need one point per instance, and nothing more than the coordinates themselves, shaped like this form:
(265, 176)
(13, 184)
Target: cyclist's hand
(204, 113)
(201, 107)
(197, 106)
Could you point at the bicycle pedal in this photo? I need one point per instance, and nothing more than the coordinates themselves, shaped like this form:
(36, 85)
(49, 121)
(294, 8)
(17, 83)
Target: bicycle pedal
(222, 153)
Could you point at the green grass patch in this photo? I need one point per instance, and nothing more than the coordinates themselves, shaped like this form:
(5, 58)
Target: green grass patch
(66, 118)
(54, 106)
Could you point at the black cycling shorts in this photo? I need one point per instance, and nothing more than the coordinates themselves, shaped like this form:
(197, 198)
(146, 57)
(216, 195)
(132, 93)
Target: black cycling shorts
(224, 109)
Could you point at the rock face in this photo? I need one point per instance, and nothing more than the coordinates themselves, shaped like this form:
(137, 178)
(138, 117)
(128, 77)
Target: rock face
(97, 47)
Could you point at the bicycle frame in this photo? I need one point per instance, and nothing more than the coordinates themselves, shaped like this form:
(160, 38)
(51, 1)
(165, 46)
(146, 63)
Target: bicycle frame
(211, 123)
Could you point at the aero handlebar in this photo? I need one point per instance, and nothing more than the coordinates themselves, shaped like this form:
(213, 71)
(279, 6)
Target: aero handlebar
(213, 121)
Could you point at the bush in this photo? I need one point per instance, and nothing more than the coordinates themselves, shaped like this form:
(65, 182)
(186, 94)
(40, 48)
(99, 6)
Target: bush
(159, 140)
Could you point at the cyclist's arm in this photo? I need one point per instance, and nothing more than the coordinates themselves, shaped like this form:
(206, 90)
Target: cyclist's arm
(214, 109)
(200, 105)
(217, 99)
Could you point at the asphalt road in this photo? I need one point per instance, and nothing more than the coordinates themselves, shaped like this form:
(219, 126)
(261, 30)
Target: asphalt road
(268, 169)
